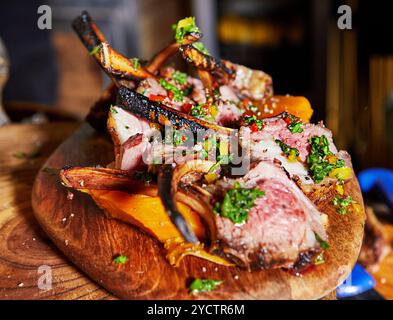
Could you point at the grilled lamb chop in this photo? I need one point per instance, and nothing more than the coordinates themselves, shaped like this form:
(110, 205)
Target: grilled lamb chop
(265, 145)
(283, 229)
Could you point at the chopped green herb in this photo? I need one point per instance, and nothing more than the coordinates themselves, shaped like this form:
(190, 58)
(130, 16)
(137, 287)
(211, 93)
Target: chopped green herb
(204, 285)
(187, 90)
(184, 27)
(319, 259)
(253, 108)
(294, 125)
(156, 161)
(318, 162)
(51, 171)
(203, 111)
(121, 259)
(178, 138)
(237, 202)
(201, 47)
(177, 93)
(287, 150)
(179, 77)
(136, 63)
(324, 245)
(222, 160)
(253, 120)
(95, 50)
(204, 154)
(342, 203)
(113, 110)
(197, 111)
(27, 155)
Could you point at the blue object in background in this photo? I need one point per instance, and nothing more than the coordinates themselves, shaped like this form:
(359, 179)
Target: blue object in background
(357, 283)
(378, 178)
(360, 281)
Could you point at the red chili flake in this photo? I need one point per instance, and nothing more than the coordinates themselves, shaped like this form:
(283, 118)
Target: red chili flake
(170, 95)
(288, 120)
(187, 107)
(254, 127)
(183, 138)
(155, 97)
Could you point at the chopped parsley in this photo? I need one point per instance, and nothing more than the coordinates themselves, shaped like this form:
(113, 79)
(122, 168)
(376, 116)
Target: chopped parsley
(318, 159)
(178, 138)
(94, 51)
(324, 245)
(342, 203)
(319, 259)
(113, 110)
(204, 111)
(204, 285)
(201, 47)
(179, 77)
(188, 90)
(177, 93)
(237, 202)
(221, 160)
(254, 122)
(294, 124)
(27, 155)
(184, 27)
(253, 108)
(120, 259)
(51, 171)
(136, 63)
(291, 153)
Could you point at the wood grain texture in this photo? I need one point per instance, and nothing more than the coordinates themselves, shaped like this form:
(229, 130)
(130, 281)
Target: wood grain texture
(89, 239)
(24, 247)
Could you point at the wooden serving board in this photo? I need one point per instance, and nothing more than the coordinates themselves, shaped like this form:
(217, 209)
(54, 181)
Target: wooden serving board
(90, 240)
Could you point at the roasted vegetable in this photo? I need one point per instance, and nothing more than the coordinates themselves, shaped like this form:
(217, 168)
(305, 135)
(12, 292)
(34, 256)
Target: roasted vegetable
(81, 178)
(179, 183)
(149, 215)
(274, 106)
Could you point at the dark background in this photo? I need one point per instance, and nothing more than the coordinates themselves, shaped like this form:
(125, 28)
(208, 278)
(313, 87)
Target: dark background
(346, 74)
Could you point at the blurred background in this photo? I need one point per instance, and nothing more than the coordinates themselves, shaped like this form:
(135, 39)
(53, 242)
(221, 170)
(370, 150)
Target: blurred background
(346, 74)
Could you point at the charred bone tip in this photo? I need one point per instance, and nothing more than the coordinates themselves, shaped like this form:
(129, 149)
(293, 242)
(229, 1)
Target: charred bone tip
(166, 193)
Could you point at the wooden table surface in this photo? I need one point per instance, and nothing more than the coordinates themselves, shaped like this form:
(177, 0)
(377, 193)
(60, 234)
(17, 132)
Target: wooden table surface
(23, 245)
